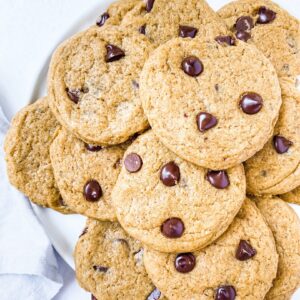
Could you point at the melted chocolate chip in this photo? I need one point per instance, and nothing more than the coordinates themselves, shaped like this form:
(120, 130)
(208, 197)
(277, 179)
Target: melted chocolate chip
(185, 262)
(135, 85)
(187, 31)
(244, 251)
(192, 66)
(142, 29)
(243, 36)
(172, 228)
(154, 295)
(205, 121)
(265, 15)
(251, 103)
(281, 144)
(225, 292)
(225, 39)
(170, 174)
(100, 269)
(92, 148)
(93, 297)
(101, 21)
(149, 5)
(244, 23)
(84, 231)
(218, 179)
(113, 53)
(73, 94)
(133, 163)
(92, 191)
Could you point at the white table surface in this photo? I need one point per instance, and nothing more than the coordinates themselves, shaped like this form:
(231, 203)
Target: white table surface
(29, 31)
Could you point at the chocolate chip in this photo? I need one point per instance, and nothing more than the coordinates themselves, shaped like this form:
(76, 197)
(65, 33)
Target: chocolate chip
(135, 85)
(205, 121)
(172, 228)
(251, 103)
(281, 144)
(225, 39)
(133, 163)
(243, 36)
(185, 262)
(114, 53)
(149, 5)
(244, 23)
(217, 87)
(92, 191)
(187, 31)
(142, 29)
(93, 297)
(102, 19)
(154, 295)
(244, 251)
(84, 231)
(218, 179)
(192, 66)
(170, 174)
(225, 292)
(92, 148)
(61, 201)
(73, 94)
(100, 269)
(265, 15)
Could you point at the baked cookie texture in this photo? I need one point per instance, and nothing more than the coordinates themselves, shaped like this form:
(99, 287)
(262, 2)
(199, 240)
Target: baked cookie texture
(162, 20)
(241, 263)
(86, 174)
(26, 147)
(110, 265)
(270, 28)
(93, 84)
(285, 226)
(292, 196)
(222, 112)
(170, 204)
(276, 168)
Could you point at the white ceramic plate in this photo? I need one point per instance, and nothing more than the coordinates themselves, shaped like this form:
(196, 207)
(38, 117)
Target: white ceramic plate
(62, 230)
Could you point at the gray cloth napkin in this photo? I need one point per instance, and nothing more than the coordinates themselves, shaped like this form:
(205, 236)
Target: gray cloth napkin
(28, 265)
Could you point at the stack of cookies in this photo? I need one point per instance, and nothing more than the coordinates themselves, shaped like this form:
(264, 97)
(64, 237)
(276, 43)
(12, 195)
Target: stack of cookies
(159, 120)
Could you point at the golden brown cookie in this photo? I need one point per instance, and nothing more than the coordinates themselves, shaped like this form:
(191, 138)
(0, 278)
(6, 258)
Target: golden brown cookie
(285, 226)
(240, 265)
(173, 205)
(93, 84)
(213, 103)
(292, 196)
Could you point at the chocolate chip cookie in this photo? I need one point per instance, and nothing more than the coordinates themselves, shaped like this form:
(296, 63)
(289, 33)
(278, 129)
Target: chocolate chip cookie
(173, 205)
(109, 264)
(270, 28)
(292, 196)
(241, 264)
(162, 20)
(86, 174)
(285, 226)
(27, 152)
(276, 168)
(214, 103)
(94, 84)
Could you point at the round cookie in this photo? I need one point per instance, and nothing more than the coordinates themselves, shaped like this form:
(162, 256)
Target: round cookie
(109, 264)
(292, 196)
(170, 204)
(276, 168)
(162, 20)
(240, 265)
(27, 152)
(270, 28)
(211, 102)
(285, 226)
(115, 12)
(86, 174)
(93, 84)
